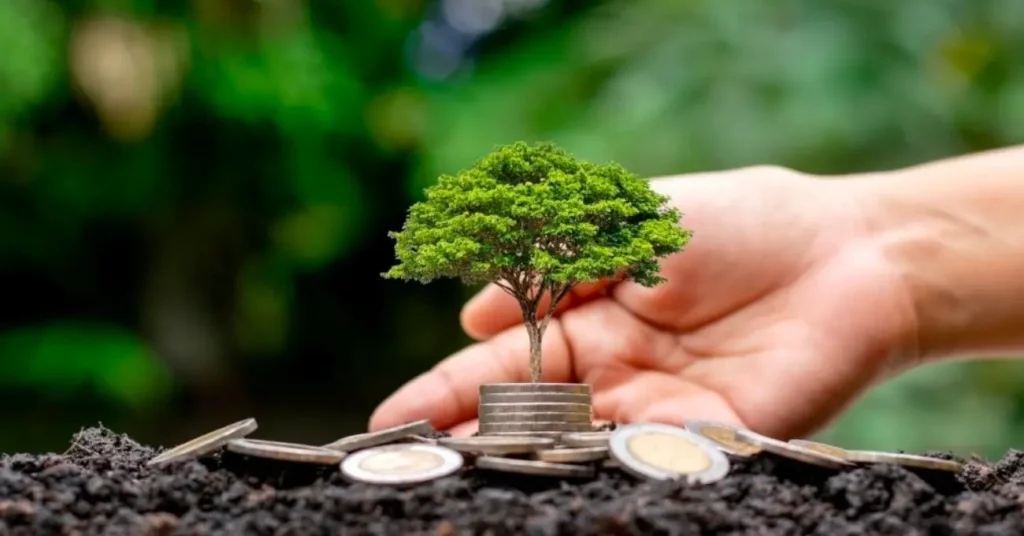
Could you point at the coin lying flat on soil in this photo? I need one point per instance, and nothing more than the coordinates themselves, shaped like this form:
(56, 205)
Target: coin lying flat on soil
(498, 388)
(586, 439)
(662, 452)
(535, 417)
(906, 460)
(402, 464)
(573, 455)
(380, 437)
(486, 427)
(206, 443)
(527, 398)
(287, 452)
(724, 436)
(497, 445)
(536, 407)
(824, 448)
(793, 452)
(530, 467)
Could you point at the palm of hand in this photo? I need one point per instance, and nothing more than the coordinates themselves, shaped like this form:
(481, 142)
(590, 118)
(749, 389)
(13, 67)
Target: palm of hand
(778, 314)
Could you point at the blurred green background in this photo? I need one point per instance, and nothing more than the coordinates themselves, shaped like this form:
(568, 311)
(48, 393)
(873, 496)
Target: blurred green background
(195, 194)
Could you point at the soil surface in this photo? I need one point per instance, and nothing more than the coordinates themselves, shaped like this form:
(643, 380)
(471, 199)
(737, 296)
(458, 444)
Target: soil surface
(102, 486)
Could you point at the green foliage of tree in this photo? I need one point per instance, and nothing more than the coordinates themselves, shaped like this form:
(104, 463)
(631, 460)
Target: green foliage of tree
(536, 221)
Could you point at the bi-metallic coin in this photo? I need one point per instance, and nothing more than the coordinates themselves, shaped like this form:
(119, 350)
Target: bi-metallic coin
(206, 443)
(287, 452)
(497, 445)
(380, 437)
(791, 451)
(906, 460)
(530, 467)
(723, 436)
(401, 464)
(662, 452)
(573, 455)
(586, 439)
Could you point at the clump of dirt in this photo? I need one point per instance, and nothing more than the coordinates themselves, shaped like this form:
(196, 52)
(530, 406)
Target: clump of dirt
(101, 485)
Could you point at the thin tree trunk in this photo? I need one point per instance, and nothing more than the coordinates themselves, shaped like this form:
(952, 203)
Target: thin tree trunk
(535, 346)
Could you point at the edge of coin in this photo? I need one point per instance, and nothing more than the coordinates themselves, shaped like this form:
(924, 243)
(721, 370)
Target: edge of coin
(792, 452)
(279, 451)
(534, 467)
(380, 437)
(905, 460)
(701, 427)
(181, 451)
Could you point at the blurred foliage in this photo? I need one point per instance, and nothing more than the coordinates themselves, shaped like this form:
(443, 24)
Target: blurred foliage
(195, 195)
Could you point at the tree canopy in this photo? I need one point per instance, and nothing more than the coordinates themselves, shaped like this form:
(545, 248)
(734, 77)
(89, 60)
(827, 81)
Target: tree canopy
(535, 220)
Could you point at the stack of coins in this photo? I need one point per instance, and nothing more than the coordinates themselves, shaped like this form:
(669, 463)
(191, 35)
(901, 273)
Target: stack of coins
(535, 409)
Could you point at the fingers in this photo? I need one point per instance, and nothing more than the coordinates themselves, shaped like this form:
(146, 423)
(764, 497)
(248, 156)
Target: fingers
(650, 396)
(465, 429)
(448, 394)
(493, 310)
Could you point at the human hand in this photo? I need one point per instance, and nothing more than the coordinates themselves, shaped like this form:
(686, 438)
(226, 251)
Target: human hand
(779, 312)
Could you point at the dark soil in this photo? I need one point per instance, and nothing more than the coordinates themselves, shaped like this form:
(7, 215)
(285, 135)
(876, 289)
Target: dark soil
(101, 486)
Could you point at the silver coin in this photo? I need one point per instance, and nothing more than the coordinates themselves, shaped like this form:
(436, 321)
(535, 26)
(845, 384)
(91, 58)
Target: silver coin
(497, 445)
(724, 436)
(573, 455)
(205, 443)
(536, 407)
(793, 452)
(611, 463)
(380, 437)
(499, 388)
(401, 464)
(530, 467)
(824, 448)
(556, 436)
(662, 452)
(527, 398)
(586, 439)
(906, 460)
(535, 417)
(288, 452)
(534, 427)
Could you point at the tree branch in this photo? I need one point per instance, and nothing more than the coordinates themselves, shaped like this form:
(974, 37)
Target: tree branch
(555, 298)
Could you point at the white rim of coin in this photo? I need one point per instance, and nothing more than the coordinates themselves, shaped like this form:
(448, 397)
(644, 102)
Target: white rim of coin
(451, 461)
(205, 443)
(905, 460)
(286, 452)
(618, 449)
(700, 427)
(791, 451)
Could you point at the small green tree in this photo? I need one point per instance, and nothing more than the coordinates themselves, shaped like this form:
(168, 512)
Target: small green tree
(534, 220)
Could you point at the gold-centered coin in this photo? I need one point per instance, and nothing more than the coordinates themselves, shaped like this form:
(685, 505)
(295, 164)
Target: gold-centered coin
(586, 439)
(793, 452)
(662, 452)
(402, 464)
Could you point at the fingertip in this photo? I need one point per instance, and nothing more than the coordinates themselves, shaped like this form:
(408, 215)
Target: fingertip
(465, 429)
(488, 312)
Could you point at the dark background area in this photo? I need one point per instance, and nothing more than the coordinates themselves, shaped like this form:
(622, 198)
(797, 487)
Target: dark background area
(195, 195)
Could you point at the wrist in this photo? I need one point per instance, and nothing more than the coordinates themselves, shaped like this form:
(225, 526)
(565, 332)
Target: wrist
(949, 232)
